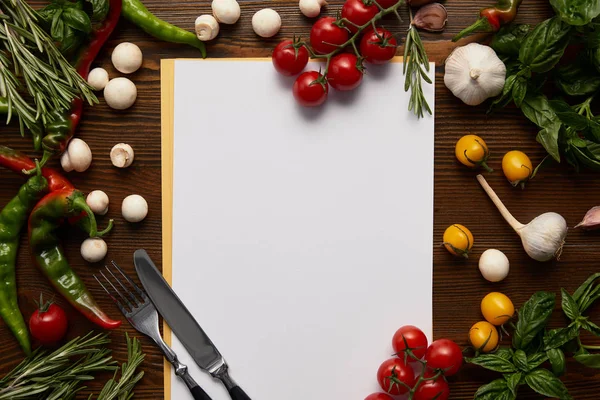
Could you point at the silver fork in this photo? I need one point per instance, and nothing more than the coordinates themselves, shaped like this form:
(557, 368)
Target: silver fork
(142, 315)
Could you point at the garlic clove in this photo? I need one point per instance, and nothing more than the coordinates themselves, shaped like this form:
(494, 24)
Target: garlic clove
(474, 73)
(121, 155)
(207, 27)
(544, 237)
(311, 8)
(431, 18)
(226, 11)
(591, 220)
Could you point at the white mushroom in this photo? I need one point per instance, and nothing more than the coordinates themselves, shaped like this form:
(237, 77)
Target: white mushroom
(120, 93)
(226, 11)
(121, 155)
(266, 22)
(494, 265)
(127, 58)
(78, 157)
(134, 208)
(93, 249)
(98, 78)
(98, 202)
(311, 8)
(207, 27)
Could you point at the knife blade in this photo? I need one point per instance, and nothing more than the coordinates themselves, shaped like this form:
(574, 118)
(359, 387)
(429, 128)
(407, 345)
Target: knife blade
(183, 324)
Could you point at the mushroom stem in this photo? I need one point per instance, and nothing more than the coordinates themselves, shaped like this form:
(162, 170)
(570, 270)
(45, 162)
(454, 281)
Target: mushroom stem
(512, 221)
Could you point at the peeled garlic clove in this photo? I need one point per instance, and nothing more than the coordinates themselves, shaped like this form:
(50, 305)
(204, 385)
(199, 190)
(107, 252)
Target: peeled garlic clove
(591, 220)
(311, 8)
(207, 27)
(431, 18)
(474, 73)
(226, 11)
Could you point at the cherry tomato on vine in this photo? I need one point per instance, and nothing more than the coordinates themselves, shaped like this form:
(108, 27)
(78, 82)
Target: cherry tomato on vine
(378, 46)
(392, 372)
(517, 167)
(445, 355)
(48, 325)
(325, 35)
(379, 396)
(310, 89)
(458, 240)
(437, 388)
(483, 336)
(358, 12)
(497, 308)
(472, 151)
(345, 72)
(414, 337)
(289, 59)
(387, 3)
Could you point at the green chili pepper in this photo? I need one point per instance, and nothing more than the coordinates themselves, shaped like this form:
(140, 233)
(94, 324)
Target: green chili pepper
(136, 12)
(48, 254)
(12, 220)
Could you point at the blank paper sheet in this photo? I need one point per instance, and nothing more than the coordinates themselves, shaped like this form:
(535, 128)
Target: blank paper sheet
(302, 238)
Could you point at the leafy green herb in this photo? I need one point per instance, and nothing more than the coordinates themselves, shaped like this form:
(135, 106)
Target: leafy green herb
(533, 317)
(509, 39)
(99, 9)
(576, 12)
(544, 46)
(544, 382)
(416, 69)
(557, 361)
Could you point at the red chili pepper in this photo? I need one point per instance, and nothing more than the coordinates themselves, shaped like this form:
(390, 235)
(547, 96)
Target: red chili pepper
(493, 18)
(44, 222)
(20, 163)
(61, 130)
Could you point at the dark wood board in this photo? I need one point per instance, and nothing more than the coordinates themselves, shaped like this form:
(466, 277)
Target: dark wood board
(458, 285)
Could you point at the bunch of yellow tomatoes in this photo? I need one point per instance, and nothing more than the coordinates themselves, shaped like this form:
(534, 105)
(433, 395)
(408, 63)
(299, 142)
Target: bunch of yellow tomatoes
(497, 309)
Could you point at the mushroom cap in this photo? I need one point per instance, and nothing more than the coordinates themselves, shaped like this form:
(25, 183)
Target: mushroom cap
(127, 58)
(98, 78)
(93, 249)
(80, 155)
(266, 22)
(134, 208)
(226, 11)
(98, 201)
(120, 93)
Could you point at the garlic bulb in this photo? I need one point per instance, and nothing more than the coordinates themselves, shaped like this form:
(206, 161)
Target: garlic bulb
(474, 73)
(543, 238)
(226, 11)
(207, 27)
(311, 8)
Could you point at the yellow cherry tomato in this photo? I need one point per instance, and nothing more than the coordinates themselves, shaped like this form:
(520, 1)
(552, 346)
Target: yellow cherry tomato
(458, 240)
(497, 308)
(483, 336)
(517, 167)
(472, 151)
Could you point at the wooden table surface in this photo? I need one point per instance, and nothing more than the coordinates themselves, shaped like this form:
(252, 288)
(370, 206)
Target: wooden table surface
(458, 285)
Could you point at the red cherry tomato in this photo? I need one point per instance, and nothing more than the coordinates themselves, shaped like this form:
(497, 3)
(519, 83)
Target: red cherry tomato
(309, 90)
(387, 3)
(324, 30)
(48, 325)
(445, 355)
(392, 372)
(358, 13)
(378, 47)
(437, 389)
(289, 60)
(344, 72)
(379, 396)
(414, 337)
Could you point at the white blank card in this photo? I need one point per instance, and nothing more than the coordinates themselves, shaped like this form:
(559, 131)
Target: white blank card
(302, 238)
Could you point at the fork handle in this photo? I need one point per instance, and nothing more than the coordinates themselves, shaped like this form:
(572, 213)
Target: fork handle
(198, 393)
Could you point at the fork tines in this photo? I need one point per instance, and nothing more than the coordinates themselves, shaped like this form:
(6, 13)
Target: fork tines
(129, 302)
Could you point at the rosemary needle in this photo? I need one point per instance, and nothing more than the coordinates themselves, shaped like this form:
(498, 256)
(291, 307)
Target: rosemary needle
(416, 70)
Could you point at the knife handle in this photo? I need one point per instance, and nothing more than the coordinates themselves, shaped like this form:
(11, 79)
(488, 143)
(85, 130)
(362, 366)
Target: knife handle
(237, 393)
(199, 394)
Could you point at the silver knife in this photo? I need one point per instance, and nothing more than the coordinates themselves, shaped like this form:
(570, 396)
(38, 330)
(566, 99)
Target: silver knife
(183, 324)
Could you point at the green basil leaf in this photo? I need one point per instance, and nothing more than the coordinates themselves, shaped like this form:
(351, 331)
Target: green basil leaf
(576, 12)
(594, 129)
(72, 41)
(536, 359)
(57, 28)
(545, 45)
(519, 91)
(545, 383)
(569, 305)
(508, 40)
(589, 161)
(536, 108)
(568, 115)
(556, 338)
(77, 19)
(581, 294)
(513, 381)
(494, 362)
(533, 317)
(99, 9)
(577, 79)
(589, 360)
(520, 360)
(492, 390)
(548, 137)
(557, 361)
(590, 327)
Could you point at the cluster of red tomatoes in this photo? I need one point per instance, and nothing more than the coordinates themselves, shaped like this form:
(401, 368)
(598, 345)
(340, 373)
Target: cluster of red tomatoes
(328, 39)
(399, 376)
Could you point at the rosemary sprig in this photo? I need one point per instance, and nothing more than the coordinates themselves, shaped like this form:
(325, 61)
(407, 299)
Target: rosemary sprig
(416, 69)
(29, 57)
